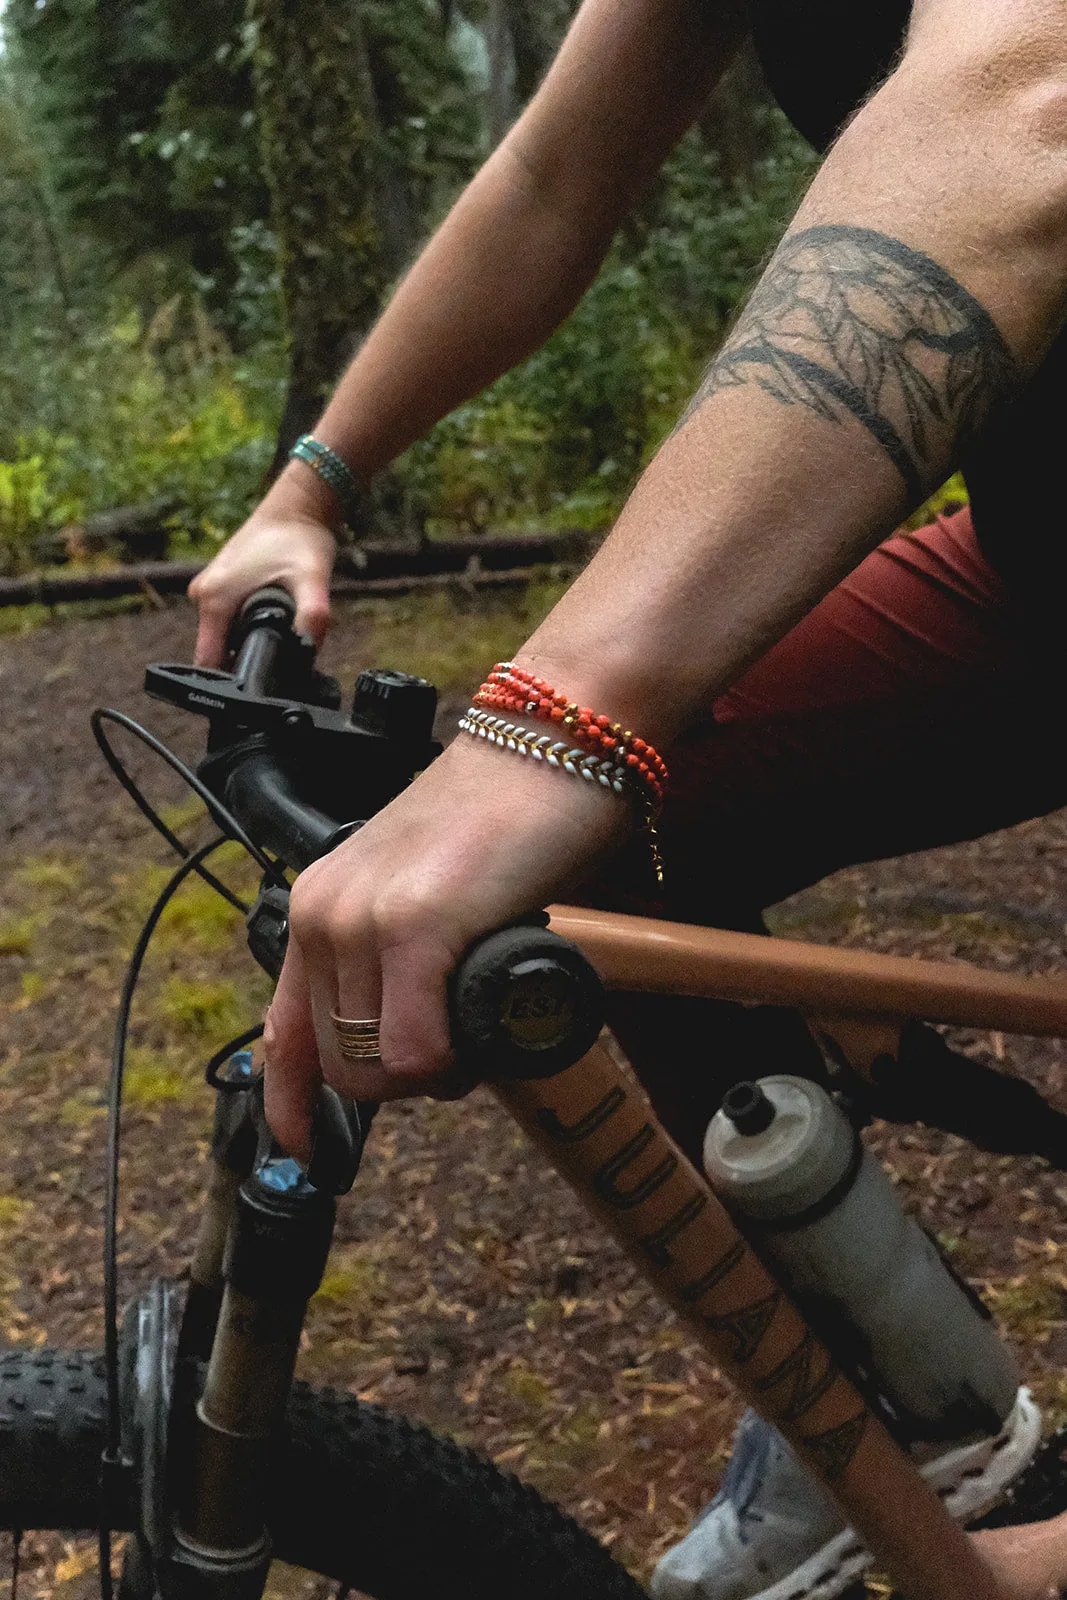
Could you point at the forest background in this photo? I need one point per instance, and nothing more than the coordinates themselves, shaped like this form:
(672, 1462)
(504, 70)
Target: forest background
(204, 204)
(202, 208)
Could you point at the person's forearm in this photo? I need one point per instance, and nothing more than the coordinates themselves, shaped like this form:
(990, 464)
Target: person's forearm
(922, 278)
(502, 271)
(525, 239)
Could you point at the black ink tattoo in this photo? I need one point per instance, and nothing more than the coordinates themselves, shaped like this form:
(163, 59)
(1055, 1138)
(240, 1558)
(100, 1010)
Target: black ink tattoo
(851, 323)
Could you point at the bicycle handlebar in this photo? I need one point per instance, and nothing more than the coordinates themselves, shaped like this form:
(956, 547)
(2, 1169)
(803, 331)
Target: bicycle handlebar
(524, 1002)
(258, 635)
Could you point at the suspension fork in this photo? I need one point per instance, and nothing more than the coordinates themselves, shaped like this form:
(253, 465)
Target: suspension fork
(233, 1149)
(277, 1247)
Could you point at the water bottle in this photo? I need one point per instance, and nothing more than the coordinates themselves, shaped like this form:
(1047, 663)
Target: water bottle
(822, 1211)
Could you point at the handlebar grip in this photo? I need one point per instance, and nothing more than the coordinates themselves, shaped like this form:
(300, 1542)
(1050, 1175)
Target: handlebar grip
(260, 636)
(524, 1004)
(271, 608)
(272, 596)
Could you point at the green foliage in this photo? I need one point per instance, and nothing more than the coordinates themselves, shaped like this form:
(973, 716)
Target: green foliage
(146, 356)
(23, 503)
(429, 128)
(561, 439)
(124, 411)
(147, 103)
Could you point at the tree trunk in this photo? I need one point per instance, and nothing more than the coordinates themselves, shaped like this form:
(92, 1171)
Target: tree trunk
(501, 97)
(319, 138)
(536, 30)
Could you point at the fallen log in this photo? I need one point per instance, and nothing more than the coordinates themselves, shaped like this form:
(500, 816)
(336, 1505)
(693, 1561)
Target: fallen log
(129, 533)
(372, 569)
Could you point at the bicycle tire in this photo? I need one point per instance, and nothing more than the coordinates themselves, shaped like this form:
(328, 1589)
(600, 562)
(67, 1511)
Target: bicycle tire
(360, 1495)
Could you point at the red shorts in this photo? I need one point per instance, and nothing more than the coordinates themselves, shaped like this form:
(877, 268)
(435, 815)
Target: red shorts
(912, 707)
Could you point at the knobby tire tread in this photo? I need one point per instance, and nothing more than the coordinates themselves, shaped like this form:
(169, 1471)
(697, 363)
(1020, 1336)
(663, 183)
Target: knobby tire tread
(361, 1495)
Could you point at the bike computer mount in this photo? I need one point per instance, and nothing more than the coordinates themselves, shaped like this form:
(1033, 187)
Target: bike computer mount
(349, 764)
(387, 706)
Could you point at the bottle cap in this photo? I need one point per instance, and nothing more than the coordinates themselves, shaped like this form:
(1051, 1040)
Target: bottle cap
(748, 1108)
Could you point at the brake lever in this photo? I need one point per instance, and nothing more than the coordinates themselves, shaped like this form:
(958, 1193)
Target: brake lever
(338, 1138)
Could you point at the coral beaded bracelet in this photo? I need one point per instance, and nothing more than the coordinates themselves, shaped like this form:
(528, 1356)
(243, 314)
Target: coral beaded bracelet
(512, 689)
(597, 749)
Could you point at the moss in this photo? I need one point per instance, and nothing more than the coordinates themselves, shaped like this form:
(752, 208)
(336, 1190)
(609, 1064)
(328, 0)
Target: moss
(12, 1213)
(56, 876)
(353, 1280)
(202, 1008)
(153, 1079)
(198, 919)
(23, 619)
(17, 935)
(444, 638)
(79, 1109)
(183, 814)
(33, 986)
(528, 1387)
(580, 1436)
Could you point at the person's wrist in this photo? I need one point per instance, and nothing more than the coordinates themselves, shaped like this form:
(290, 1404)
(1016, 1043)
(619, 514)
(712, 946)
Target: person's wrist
(614, 685)
(299, 493)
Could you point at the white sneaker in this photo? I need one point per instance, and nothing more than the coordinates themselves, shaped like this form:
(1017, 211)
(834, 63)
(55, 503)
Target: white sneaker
(773, 1533)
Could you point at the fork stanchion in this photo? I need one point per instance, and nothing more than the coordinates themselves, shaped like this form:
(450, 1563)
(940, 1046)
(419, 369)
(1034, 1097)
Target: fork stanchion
(276, 1252)
(598, 1129)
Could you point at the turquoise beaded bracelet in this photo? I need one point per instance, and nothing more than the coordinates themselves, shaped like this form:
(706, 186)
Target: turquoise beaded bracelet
(335, 473)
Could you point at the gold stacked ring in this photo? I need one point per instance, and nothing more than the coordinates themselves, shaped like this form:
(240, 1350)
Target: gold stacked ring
(356, 1040)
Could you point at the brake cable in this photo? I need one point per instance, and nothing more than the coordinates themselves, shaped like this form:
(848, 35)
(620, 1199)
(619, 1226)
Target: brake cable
(192, 863)
(218, 812)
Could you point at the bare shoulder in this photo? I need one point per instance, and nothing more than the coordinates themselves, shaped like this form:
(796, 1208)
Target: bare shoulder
(1006, 43)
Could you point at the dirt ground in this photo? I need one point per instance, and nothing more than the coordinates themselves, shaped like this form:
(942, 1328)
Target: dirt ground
(466, 1286)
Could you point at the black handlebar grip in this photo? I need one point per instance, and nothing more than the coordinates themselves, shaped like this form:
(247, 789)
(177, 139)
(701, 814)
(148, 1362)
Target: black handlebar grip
(271, 607)
(273, 597)
(524, 1004)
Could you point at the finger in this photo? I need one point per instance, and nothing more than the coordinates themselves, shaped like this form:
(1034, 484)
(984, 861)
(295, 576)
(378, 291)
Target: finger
(416, 1043)
(312, 596)
(358, 999)
(430, 1070)
(292, 1075)
(212, 628)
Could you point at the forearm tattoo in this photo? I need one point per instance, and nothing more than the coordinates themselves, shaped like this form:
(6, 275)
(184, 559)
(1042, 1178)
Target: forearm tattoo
(851, 323)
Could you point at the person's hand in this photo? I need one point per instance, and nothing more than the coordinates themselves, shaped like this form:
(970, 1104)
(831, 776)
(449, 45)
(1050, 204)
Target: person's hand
(377, 926)
(288, 541)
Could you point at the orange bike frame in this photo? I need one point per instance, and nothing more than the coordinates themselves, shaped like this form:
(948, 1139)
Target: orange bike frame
(598, 1129)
